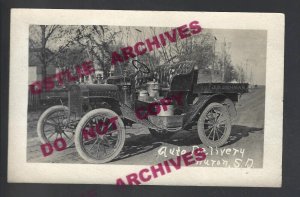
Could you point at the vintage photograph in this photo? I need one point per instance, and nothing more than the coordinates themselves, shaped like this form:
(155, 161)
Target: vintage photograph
(147, 101)
(173, 94)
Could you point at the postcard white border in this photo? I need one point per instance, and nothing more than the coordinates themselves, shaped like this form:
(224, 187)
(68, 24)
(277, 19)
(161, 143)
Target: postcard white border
(21, 171)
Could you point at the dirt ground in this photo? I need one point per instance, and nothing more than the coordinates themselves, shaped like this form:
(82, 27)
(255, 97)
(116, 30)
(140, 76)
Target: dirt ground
(244, 148)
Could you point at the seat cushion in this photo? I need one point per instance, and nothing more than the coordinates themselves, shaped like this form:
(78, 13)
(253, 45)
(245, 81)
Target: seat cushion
(165, 73)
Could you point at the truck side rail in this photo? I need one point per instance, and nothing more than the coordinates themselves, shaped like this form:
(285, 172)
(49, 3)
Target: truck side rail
(204, 88)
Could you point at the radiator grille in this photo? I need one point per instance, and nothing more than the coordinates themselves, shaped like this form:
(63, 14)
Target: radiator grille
(75, 103)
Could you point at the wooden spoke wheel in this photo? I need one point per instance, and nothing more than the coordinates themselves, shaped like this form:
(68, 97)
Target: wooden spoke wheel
(100, 136)
(214, 125)
(54, 123)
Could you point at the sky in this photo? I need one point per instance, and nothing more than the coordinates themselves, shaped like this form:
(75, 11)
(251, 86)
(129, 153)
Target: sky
(245, 45)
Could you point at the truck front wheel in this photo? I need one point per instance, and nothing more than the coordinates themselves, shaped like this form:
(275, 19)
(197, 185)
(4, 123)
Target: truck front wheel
(100, 136)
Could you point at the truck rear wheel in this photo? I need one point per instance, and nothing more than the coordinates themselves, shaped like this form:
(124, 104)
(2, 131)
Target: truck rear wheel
(214, 125)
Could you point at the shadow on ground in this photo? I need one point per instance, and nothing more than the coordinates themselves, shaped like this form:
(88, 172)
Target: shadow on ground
(238, 132)
(189, 138)
(138, 144)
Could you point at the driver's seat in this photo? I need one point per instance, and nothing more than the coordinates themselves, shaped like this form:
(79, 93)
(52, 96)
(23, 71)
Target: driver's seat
(176, 77)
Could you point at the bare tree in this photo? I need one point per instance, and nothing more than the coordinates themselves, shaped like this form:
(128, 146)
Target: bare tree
(99, 41)
(49, 41)
(241, 74)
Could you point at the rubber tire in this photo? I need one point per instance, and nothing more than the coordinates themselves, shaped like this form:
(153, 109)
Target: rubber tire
(159, 135)
(200, 126)
(78, 135)
(39, 129)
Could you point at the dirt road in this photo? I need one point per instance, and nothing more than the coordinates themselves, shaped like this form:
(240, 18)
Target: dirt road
(244, 148)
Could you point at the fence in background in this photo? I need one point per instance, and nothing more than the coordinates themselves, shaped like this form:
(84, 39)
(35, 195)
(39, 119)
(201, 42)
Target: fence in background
(34, 100)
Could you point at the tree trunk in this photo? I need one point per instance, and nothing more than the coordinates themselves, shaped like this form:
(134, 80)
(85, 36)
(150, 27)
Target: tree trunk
(43, 53)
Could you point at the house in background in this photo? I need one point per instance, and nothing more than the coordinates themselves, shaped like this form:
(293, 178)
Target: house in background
(35, 74)
(71, 57)
(35, 67)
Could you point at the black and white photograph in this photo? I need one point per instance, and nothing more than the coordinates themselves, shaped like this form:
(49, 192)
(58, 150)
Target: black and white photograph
(218, 75)
(148, 100)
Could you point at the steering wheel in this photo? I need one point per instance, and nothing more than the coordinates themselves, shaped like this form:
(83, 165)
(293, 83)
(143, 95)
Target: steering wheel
(141, 68)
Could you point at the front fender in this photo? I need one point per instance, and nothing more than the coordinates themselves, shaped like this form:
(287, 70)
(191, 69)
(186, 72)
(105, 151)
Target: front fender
(104, 102)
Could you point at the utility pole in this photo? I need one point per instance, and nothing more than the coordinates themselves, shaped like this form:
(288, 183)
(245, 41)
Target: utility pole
(251, 76)
(43, 54)
(214, 59)
(247, 75)
(224, 56)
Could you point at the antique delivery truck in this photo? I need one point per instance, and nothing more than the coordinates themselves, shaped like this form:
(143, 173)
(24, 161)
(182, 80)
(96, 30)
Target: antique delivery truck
(168, 99)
